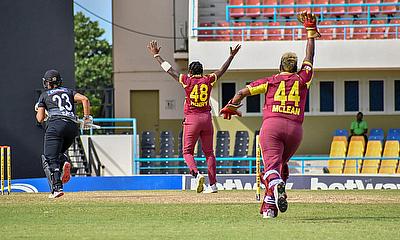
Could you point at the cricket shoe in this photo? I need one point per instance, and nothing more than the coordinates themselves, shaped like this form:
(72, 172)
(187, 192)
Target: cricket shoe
(66, 174)
(212, 189)
(200, 183)
(280, 196)
(56, 194)
(270, 213)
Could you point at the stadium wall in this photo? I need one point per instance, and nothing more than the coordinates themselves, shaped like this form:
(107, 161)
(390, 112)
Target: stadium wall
(35, 36)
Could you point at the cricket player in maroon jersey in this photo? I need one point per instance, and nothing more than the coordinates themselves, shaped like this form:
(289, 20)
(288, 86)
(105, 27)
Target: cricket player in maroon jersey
(283, 114)
(198, 121)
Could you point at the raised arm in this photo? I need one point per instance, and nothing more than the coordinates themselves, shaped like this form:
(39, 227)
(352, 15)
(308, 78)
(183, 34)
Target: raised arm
(228, 61)
(310, 50)
(155, 50)
(309, 21)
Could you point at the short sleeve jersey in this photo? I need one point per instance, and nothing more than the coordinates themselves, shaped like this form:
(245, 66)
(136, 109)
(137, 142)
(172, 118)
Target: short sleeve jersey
(359, 127)
(197, 92)
(285, 93)
(58, 102)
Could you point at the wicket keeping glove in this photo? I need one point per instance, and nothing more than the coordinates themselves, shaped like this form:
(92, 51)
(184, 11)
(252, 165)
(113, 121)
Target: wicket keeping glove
(230, 109)
(309, 21)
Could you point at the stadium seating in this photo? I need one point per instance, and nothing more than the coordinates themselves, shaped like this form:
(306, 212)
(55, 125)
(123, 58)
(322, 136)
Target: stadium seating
(376, 134)
(253, 12)
(203, 34)
(393, 32)
(148, 144)
(239, 34)
(274, 34)
(223, 34)
(337, 11)
(360, 32)
(326, 33)
(303, 2)
(341, 139)
(338, 150)
(236, 12)
(358, 139)
(373, 9)
(291, 34)
(319, 10)
(268, 12)
(341, 132)
(356, 149)
(389, 9)
(286, 12)
(241, 150)
(355, 10)
(222, 150)
(166, 144)
(391, 150)
(374, 149)
(377, 32)
(256, 34)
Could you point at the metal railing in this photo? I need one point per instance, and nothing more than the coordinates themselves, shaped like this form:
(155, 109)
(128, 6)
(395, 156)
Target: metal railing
(94, 161)
(321, 14)
(250, 163)
(111, 126)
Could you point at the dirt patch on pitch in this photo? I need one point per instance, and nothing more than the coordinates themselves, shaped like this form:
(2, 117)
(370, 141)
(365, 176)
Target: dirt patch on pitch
(223, 197)
(171, 197)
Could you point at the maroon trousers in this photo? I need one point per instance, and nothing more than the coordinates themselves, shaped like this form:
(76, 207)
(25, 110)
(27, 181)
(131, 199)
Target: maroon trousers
(279, 140)
(197, 126)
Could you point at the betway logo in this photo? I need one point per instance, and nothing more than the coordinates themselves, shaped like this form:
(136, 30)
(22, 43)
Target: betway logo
(351, 184)
(235, 184)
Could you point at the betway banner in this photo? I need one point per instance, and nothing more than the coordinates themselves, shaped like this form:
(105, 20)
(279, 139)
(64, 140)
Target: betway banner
(310, 182)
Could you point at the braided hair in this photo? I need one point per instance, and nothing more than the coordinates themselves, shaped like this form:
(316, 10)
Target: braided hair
(195, 68)
(288, 62)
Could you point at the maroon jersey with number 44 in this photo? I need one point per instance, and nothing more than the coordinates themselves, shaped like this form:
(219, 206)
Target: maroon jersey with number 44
(197, 91)
(285, 93)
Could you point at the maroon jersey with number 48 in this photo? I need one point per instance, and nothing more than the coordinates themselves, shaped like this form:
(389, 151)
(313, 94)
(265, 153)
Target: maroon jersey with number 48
(197, 91)
(285, 93)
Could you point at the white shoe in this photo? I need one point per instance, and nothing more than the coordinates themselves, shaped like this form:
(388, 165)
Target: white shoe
(212, 189)
(270, 213)
(56, 194)
(200, 183)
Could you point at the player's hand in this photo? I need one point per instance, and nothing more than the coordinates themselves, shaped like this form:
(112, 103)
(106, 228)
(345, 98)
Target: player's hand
(309, 21)
(153, 47)
(36, 107)
(230, 109)
(235, 50)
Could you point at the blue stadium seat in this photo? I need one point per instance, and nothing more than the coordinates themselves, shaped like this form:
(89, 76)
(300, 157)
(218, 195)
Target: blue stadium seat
(376, 132)
(376, 137)
(341, 132)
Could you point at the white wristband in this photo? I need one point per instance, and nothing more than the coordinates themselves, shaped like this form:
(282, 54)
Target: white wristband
(166, 66)
(156, 55)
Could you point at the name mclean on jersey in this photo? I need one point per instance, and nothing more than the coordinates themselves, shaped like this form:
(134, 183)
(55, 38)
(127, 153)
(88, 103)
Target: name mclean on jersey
(286, 109)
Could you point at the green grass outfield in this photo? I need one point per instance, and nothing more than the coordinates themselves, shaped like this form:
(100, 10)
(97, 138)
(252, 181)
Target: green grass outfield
(187, 215)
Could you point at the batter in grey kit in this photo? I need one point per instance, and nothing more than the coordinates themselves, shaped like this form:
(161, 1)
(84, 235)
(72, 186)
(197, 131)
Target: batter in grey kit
(56, 106)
